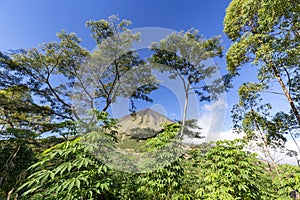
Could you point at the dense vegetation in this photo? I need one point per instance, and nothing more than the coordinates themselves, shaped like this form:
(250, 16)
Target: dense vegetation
(76, 165)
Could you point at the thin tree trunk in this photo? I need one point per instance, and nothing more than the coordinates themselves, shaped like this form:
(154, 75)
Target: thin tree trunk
(290, 100)
(266, 150)
(286, 92)
(184, 114)
(6, 167)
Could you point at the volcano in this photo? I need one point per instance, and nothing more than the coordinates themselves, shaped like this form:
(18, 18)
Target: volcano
(143, 124)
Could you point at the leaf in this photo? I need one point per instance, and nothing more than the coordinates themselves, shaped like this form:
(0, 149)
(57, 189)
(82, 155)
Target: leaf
(71, 185)
(78, 183)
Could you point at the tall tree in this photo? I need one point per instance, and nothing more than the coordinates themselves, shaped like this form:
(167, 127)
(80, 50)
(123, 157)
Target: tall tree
(93, 80)
(59, 73)
(184, 56)
(266, 33)
(21, 123)
(113, 69)
(49, 71)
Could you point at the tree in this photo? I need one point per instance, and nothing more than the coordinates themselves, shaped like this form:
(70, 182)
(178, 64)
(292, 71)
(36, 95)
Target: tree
(16, 155)
(252, 117)
(111, 64)
(266, 34)
(40, 68)
(20, 117)
(117, 70)
(21, 122)
(6, 78)
(25, 80)
(191, 128)
(183, 55)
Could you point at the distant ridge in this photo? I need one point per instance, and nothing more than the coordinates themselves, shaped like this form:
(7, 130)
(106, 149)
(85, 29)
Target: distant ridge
(142, 124)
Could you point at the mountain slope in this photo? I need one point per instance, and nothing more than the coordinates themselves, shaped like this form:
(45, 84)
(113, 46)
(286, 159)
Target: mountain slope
(142, 124)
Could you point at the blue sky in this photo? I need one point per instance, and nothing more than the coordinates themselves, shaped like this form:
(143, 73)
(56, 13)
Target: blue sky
(29, 23)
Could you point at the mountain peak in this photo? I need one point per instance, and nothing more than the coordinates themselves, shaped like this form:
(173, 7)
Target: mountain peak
(143, 124)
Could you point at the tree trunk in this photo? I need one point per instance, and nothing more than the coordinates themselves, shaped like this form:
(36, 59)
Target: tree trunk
(184, 114)
(290, 100)
(286, 92)
(266, 150)
(7, 166)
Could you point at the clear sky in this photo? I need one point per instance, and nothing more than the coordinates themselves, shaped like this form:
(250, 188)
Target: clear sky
(29, 23)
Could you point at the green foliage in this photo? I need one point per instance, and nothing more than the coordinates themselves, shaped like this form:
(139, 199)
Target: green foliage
(263, 28)
(113, 65)
(21, 122)
(16, 155)
(213, 171)
(228, 172)
(37, 67)
(185, 56)
(70, 170)
(164, 180)
(29, 74)
(20, 117)
(67, 171)
(287, 180)
(266, 34)
(192, 129)
(251, 116)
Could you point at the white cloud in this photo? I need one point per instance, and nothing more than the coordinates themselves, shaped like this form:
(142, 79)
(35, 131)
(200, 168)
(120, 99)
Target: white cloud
(290, 144)
(229, 135)
(211, 121)
(278, 155)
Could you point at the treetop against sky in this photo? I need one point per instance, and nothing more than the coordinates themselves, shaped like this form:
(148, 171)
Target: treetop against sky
(28, 24)
(36, 23)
